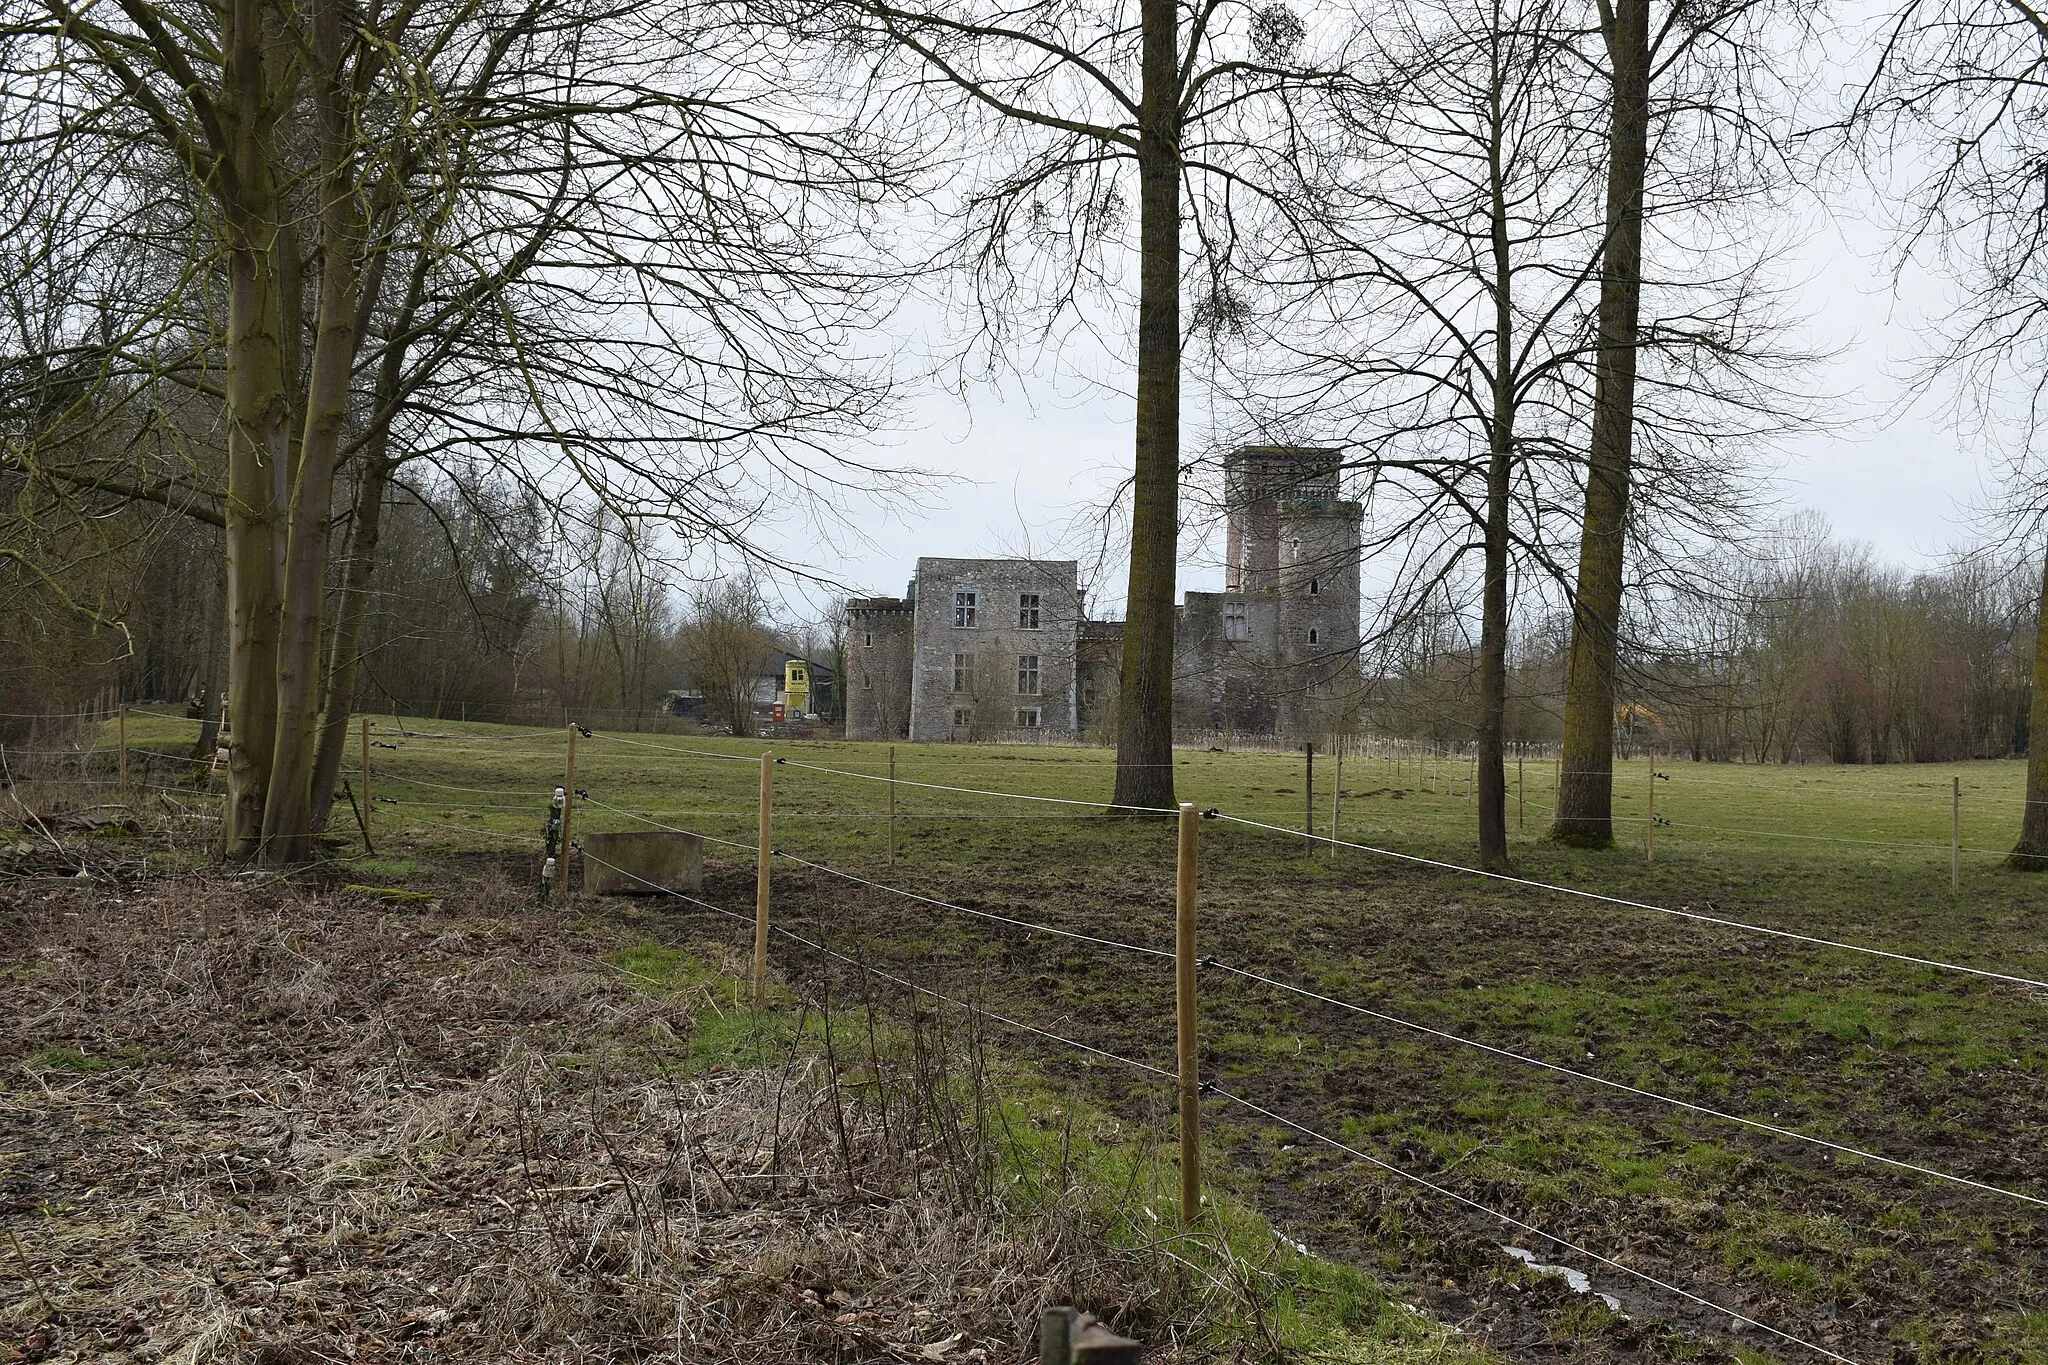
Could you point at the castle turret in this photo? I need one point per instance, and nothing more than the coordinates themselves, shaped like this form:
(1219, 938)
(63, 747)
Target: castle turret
(1274, 652)
(879, 642)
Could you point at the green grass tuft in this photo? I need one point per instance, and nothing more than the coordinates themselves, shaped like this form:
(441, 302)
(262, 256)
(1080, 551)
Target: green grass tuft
(397, 894)
(56, 1058)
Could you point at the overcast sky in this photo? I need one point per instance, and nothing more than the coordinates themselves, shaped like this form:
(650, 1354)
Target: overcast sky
(1035, 460)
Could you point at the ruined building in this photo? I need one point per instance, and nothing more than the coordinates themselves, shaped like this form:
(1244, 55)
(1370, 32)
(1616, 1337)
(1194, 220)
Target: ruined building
(974, 649)
(1001, 648)
(1276, 652)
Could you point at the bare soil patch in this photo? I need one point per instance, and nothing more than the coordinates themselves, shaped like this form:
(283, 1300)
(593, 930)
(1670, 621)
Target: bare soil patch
(1871, 1262)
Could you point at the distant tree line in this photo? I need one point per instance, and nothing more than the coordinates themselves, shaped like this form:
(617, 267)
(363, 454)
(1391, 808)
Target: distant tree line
(484, 605)
(1806, 650)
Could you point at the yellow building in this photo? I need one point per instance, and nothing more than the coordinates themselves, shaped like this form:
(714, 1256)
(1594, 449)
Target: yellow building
(796, 687)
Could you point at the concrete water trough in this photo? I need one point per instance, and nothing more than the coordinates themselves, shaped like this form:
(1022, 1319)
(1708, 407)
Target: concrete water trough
(642, 863)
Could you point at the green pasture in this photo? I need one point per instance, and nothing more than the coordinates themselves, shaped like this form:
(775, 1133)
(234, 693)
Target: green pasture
(1943, 1069)
(1859, 852)
(1763, 816)
(1854, 852)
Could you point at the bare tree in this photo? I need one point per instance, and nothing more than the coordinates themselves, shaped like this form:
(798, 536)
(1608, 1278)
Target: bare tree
(1443, 326)
(1690, 123)
(725, 648)
(1194, 96)
(1952, 110)
(587, 243)
(1443, 307)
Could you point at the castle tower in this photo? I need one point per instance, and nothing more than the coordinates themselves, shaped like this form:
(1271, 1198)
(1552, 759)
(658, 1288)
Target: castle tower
(1284, 644)
(1264, 485)
(879, 642)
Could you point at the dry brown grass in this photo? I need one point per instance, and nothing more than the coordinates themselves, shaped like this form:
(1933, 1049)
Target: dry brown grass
(256, 1123)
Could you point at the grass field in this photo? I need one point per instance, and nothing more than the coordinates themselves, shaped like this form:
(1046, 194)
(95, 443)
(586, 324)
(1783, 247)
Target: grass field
(1900, 812)
(1908, 1062)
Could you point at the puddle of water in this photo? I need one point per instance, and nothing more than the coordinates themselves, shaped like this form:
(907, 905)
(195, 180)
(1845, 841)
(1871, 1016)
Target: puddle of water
(1577, 1279)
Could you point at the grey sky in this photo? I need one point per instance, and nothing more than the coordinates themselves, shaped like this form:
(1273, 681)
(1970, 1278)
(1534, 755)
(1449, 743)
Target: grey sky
(1041, 452)
(1036, 458)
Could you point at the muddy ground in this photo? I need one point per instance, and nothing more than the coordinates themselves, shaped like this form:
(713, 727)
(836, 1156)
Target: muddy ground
(1865, 1261)
(378, 1131)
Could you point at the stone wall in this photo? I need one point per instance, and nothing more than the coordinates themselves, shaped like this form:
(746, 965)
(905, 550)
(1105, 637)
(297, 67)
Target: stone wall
(1099, 674)
(1274, 655)
(1226, 674)
(977, 696)
(877, 682)
(1261, 484)
(1316, 621)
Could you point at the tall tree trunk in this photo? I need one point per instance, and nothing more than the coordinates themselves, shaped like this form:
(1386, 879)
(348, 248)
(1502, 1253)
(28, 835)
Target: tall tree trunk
(1493, 627)
(345, 650)
(366, 524)
(288, 818)
(256, 413)
(1144, 742)
(2031, 853)
(1493, 649)
(1585, 793)
(213, 646)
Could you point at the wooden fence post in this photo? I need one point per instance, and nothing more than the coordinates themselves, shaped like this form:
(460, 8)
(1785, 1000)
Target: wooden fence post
(1521, 792)
(1308, 785)
(1184, 1010)
(892, 805)
(1955, 837)
(1056, 1336)
(1337, 798)
(1650, 829)
(568, 813)
(763, 853)
(122, 722)
(368, 806)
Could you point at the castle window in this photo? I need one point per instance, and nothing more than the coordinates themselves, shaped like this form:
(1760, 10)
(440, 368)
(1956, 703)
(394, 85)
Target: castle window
(1234, 626)
(867, 639)
(1027, 611)
(867, 684)
(1314, 587)
(1027, 675)
(1314, 637)
(1027, 718)
(964, 604)
(963, 672)
(1088, 694)
(963, 716)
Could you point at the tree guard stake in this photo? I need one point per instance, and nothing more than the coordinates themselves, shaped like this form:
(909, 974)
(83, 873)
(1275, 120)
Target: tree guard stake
(1184, 1003)
(568, 814)
(762, 855)
(1955, 837)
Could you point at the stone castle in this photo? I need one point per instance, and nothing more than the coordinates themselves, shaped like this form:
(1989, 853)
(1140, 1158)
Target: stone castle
(1003, 648)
